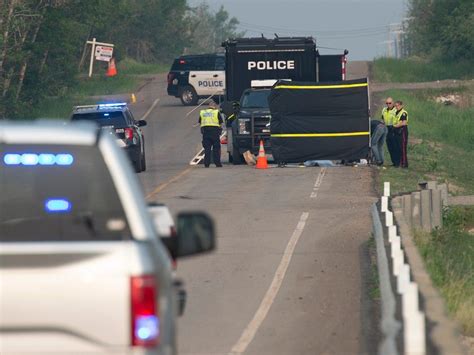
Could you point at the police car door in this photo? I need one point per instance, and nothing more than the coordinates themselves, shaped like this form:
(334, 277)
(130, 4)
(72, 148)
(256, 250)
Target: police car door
(204, 77)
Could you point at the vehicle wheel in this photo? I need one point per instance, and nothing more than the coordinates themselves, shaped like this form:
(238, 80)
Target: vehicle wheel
(188, 96)
(137, 162)
(143, 161)
(237, 158)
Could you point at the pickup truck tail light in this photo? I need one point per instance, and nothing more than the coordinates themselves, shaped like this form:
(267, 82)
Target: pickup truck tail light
(145, 316)
(128, 133)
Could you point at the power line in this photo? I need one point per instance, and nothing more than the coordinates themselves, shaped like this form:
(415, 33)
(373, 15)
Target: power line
(336, 31)
(372, 33)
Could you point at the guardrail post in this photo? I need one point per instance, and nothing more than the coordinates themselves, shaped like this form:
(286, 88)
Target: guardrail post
(436, 217)
(403, 278)
(388, 219)
(414, 335)
(384, 204)
(416, 209)
(407, 208)
(386, 188)
(398, 261)
(432, 185)
(444, 193)
(394, 246)
(426, 210)
(392, 233)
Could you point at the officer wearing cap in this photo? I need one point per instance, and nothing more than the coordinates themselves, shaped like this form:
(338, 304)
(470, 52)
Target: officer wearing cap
(211, 121)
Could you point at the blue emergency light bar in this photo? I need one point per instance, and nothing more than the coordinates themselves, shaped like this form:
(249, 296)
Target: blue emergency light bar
(30, 159)
(57, 205)
(111, 105)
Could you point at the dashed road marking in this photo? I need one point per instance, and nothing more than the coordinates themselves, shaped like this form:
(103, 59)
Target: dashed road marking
(170, 181)
(262, 311)
(318, 182)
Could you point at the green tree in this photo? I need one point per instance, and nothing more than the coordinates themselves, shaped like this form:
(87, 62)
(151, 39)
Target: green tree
(207, 30)
(442, 29)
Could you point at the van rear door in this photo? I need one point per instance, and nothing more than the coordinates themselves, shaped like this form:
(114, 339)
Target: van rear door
(331, 67)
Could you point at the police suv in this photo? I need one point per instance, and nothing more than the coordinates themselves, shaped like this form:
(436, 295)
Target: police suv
(192, 77)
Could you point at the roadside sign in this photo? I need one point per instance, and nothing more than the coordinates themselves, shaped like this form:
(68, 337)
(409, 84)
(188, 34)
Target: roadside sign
(103, 53)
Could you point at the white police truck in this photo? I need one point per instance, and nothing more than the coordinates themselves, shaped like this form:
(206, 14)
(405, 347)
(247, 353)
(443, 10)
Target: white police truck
(193, 77)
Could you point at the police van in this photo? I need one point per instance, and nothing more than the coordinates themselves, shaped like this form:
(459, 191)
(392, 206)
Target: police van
(261, 61)
(193, 77)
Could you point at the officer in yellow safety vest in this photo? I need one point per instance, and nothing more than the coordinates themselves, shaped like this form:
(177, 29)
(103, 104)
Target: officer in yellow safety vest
(388, 117)
(211, 127)
(400, 126)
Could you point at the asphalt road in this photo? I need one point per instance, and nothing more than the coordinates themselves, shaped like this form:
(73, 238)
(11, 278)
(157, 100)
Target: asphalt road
(290, 272)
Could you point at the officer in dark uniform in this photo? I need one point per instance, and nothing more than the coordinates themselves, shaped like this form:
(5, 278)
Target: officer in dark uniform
(400, 127)
(211, 127)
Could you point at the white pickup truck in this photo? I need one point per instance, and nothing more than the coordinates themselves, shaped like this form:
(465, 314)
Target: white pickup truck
(82, 268)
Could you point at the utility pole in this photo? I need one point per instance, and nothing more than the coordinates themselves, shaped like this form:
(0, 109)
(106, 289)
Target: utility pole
(395, 35)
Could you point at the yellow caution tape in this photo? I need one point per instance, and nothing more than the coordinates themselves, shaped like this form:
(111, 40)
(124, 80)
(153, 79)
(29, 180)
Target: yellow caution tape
(306, 135)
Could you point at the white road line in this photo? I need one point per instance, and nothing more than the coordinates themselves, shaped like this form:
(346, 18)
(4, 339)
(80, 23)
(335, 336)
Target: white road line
(318, 182)
(252, 328)
(150, 109)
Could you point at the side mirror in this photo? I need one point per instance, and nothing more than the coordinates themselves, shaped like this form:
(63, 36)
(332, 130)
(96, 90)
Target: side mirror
(142, 123)
(195, 233)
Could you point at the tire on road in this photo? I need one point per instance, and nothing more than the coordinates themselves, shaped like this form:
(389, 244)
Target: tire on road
(143, 159)
(188, 96)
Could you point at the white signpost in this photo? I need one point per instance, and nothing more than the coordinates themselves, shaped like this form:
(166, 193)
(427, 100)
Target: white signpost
(101, 51)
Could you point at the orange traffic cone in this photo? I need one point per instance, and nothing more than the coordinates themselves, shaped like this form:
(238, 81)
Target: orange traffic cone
(112, 70)
(262, 162)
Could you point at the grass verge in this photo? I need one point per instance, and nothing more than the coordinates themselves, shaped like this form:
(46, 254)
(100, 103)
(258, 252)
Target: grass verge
(417, 70)
(441, 142)
(131, 74)
(449, 258)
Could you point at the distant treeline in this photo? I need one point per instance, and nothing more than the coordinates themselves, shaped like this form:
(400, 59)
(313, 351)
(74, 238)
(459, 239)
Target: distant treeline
(42, 42)
(441, 29)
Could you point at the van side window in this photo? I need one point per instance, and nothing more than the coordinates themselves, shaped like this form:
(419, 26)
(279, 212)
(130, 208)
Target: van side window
(203, 63)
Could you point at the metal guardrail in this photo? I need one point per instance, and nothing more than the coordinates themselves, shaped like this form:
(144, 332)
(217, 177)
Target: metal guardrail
(420, 311)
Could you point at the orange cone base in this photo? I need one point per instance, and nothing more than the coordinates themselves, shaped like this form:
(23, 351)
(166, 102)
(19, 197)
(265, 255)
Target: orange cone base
(262, 163)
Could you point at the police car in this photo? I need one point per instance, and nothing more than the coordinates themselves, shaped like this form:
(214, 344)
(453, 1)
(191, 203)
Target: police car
(117, 116)
(197, 76)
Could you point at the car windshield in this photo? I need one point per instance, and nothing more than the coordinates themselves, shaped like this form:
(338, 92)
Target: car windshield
(58, 193)
(113, 118)
(255, 99)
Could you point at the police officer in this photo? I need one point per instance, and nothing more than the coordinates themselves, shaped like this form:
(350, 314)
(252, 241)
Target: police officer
(211, 121)
(400, 128)
(388, 117)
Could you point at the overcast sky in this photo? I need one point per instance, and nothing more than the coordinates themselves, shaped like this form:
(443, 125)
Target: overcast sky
(361, 26)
